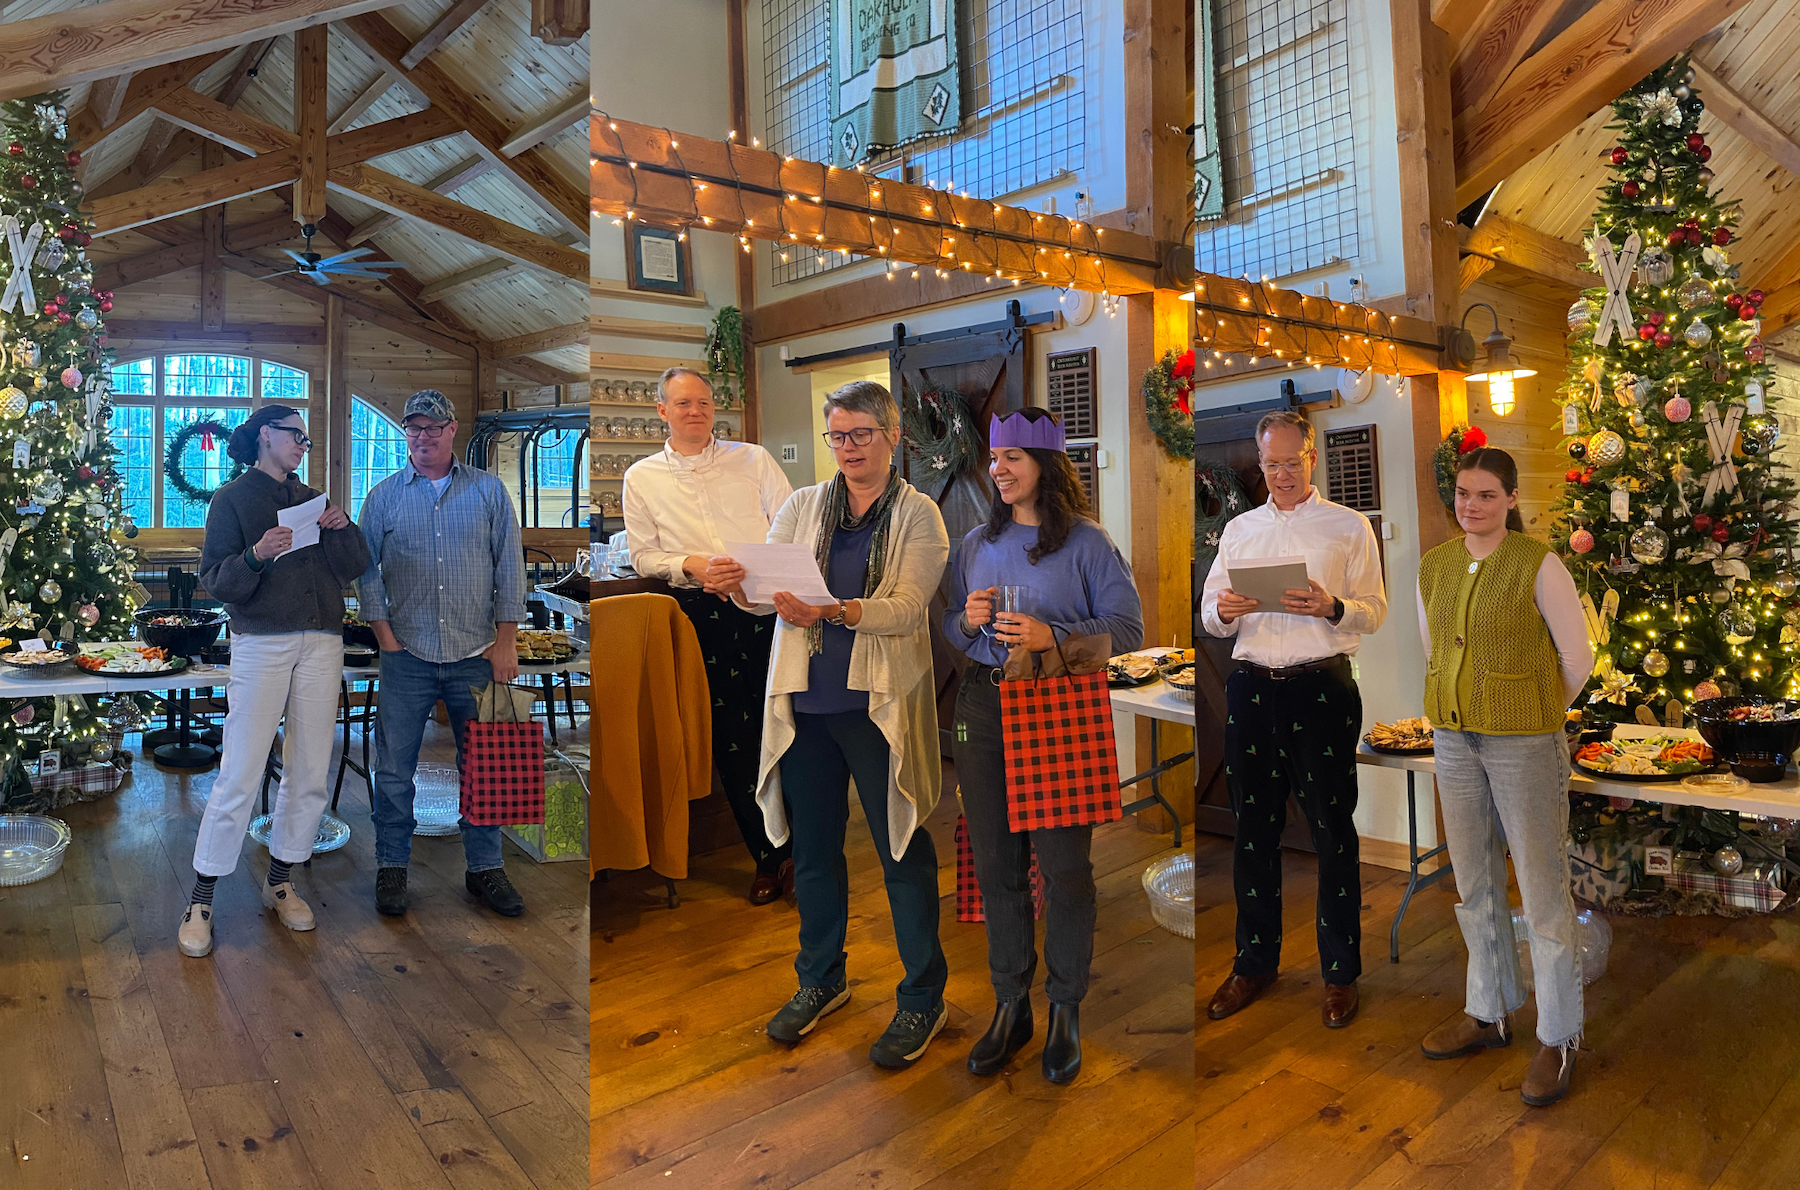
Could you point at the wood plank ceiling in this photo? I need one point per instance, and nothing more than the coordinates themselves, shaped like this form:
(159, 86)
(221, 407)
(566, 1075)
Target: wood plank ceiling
(484, 202)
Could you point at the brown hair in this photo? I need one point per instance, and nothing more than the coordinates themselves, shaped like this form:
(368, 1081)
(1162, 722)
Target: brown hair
(1500, 465)
(1062, 501)
(1288, 417)
(245, 444)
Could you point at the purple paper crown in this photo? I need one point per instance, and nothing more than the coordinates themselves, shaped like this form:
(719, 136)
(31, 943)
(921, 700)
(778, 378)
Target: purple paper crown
(1021, 432)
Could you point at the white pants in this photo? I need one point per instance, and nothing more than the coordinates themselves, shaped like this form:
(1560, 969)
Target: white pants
(295, 672)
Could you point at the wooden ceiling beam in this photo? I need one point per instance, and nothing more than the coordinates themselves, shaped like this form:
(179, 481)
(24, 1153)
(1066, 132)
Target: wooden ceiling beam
(1544, 256)
(60, 49)
(1742, 117)
(487, 270)
(310, 119)
(532, 135)
(539, 372)
(539, 177)
(164, 200)
(218, 122)
(241, 76)
(147, 266)
(1582, 69)
(460, 14)
(448, 182)
(553, 339)
(107, 98)
(386, 317)
(370, 95)
(391, 136)
(559, 22)
(86, 128)
(237, 334)
(507, 239)
(1495, 47)
(212, 247)
(264, 233)
(1462, 19)
(1780, 309)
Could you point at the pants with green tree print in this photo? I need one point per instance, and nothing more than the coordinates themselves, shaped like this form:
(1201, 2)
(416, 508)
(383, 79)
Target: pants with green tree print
(1295, 735)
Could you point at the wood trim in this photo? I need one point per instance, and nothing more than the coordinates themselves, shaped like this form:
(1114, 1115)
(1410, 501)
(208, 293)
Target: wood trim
(556, 337)
(61, 49)
(212, 245)
(612, 287)
(508, 239)
(337, 396)
(530, 136)
(1427, 163)
(1581, 70)
(370, 95)
(737, 59)
(1496, 46)
(1543, 256)
(535, 173)
(147, 87)
(448, 182)
(643, 328)
(220, 123)
(165, 200)
(236, 334)
(871, 299)
(539, 372)
(606, 362)
(1742, 117)
(310, 119)
(459, 15)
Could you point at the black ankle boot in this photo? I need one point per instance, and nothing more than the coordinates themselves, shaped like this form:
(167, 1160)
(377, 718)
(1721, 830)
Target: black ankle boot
(1062, 1044)
(1005, 1037)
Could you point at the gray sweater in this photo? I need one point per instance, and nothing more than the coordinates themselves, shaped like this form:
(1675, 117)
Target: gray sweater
(301, 591)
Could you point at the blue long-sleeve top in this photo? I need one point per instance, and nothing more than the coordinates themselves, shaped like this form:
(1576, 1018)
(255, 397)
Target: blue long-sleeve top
(1084, 588)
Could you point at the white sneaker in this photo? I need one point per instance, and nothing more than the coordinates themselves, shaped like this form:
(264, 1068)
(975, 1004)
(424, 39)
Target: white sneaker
(294, 913)
(196, 933)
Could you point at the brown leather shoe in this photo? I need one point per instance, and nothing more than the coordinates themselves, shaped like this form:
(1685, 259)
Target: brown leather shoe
(1463, 1034)
(786, 876)
(1340, 1004)
(765, 888)
(1547, 1080)
(1237, 993)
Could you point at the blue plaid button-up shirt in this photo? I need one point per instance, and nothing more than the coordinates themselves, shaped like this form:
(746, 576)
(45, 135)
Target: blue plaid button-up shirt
(443, 570)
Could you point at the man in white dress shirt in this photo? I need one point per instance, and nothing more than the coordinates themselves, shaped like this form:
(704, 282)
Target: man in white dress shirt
(681, 508)
(1293, 713)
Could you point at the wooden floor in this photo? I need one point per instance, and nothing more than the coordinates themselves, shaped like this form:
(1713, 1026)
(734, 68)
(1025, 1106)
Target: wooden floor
(689, 1092)
(1691, 1079)
(440, 1049)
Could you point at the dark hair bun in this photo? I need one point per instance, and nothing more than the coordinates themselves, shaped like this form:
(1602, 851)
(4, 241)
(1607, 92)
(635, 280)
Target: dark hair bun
(242, 445)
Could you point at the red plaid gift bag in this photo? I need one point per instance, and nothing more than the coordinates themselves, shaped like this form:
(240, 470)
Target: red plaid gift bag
(502, 766)
(1062, 763)
(968, 891)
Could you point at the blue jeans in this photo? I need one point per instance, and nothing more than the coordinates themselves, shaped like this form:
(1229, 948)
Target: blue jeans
(1501, 791)
(410, 689)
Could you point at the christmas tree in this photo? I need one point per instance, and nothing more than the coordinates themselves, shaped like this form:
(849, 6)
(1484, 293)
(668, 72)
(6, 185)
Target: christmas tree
(64, 578)
(1674, 518)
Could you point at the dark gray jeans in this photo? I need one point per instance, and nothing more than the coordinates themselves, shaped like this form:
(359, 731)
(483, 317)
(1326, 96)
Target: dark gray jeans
(1003, 862)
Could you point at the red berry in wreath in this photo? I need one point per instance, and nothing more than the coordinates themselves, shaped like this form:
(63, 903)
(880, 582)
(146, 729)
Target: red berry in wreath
(1695, 141)
(1664, 338)
(1630, 189)
(1702, 523)
(27, 182)
(1646, 332)
(1618, 155)
(1722, 236)
(1721, 533)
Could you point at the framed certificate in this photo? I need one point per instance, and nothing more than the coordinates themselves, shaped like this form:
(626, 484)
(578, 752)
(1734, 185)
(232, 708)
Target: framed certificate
(657, 261)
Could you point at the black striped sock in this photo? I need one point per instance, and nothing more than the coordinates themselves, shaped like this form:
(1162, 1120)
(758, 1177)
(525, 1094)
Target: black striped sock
(203, 889)
(278, 872)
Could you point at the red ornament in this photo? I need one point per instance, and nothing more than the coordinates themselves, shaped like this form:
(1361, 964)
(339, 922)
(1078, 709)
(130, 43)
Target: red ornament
(1630, 189)
(1702, 523)
(1734, 300)
(50, 309)
(1721, 533)
(1747, 312)
(1695, 141)
(1677, 238)
(1705, 152)
(63, 317)
(1587, 475)
(1691, 224)
(1664, 338)
(84, 239)
(1572, 475)
(1581, 541)
(1646, 332)
(62, 299)
(1722, 236)
(16, 149)
(68, 231)
(1755, 295)
(1619, 155)
(84, 472)
(73, 158)
(27, 182)
(106, 307)
(1657, 317)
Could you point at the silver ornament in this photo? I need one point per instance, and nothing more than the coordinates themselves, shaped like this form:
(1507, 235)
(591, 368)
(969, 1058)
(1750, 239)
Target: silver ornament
(1580, 314)
(1738, 624)
(1695, 292)
(86, 318)
(1726, 861)
(1649, 545)
(51, 591)
(47, 490)
(1698, 334)
(1784, 583)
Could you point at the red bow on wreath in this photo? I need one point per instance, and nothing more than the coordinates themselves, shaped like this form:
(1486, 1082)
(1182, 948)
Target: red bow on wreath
(206, 440)
(1183, 376)
(1474, 438)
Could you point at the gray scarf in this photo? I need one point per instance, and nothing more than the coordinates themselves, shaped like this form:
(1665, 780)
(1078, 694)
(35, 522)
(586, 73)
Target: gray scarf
(837, 516)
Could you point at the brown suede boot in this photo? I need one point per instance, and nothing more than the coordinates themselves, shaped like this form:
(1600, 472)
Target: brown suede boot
(1548, 1078)
(1463, 1034)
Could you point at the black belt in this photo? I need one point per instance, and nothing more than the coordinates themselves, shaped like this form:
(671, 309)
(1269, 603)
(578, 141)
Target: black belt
(991, 673)
(1294, 671)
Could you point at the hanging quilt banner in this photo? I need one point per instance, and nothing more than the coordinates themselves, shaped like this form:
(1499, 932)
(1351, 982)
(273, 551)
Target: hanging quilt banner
(893, 75)
(1209, 164)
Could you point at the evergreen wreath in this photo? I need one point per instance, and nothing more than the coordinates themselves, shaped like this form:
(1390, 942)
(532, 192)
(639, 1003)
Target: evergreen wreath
(1168, 401)
(1461, 440)
(939, 434)
(1220, 484)
(178, 446)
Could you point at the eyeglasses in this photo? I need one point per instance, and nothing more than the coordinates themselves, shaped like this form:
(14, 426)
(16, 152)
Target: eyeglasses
(299, 434)
(1284, 467)
(861, 436)
(433, 433)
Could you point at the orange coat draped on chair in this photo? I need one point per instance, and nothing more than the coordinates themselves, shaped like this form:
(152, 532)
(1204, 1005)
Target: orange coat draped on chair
(653, 712)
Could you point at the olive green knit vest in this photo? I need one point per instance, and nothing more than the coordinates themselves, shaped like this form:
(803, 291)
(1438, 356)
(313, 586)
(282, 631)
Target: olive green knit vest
(1493, 667)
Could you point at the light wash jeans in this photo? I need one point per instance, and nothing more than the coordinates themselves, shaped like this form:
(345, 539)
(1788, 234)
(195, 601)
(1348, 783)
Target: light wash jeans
(1496, 790)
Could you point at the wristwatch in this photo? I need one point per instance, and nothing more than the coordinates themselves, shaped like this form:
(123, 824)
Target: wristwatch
(843, 612)
(1337, 610)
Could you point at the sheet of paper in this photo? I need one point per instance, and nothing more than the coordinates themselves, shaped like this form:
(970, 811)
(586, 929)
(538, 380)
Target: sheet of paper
(1266, 580)
(784, 566)
(303, 519)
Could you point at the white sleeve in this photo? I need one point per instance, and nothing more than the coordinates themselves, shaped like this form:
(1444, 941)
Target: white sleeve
(1560, 605)
(648, 557)
(1365, 594)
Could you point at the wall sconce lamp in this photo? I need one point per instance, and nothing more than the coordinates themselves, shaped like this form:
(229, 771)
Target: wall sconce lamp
(1500, 368)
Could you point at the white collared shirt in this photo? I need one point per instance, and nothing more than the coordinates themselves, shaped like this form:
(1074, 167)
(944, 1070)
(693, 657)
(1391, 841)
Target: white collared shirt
(679, 505)
(1341, 554)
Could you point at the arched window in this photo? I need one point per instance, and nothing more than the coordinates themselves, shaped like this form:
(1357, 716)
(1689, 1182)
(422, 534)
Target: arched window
(377, 450)
(155, 398)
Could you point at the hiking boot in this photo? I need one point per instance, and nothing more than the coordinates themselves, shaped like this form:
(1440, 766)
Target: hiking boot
(1466, 1035)
(493, 887)
(390, 891)
(196, 933)
(907, 1036)
(294, 913)
(1547, 1080)
(800, 1016)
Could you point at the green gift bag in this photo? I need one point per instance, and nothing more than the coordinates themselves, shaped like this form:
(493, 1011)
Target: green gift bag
(563, 835)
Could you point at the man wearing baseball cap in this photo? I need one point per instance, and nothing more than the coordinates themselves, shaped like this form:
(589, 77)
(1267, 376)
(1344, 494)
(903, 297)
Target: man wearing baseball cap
(445, 592)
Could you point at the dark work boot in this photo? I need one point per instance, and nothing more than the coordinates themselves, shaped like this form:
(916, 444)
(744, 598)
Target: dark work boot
(390, 891)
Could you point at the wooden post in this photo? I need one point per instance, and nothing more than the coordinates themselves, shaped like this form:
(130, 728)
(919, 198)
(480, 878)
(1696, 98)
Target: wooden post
(559, 22)
(337, 399)
(311, 119)
(746, 261)
(212, 243)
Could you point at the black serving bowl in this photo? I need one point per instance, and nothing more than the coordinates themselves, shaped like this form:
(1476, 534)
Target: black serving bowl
(360, 656)
(201, 628)
(1755, 751)
(361, 634)
(219, 654)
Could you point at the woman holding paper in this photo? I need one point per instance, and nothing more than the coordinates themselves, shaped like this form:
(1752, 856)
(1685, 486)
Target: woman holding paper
(287, 621)
(851, 695)
(1508, 651)
(1067, 577)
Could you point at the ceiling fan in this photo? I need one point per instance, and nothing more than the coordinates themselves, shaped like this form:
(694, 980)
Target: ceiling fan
(345, 264)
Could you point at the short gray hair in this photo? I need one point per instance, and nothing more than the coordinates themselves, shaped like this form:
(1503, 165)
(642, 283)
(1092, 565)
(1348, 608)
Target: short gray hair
(1288, 417)
(662, 382)
(865, 396)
